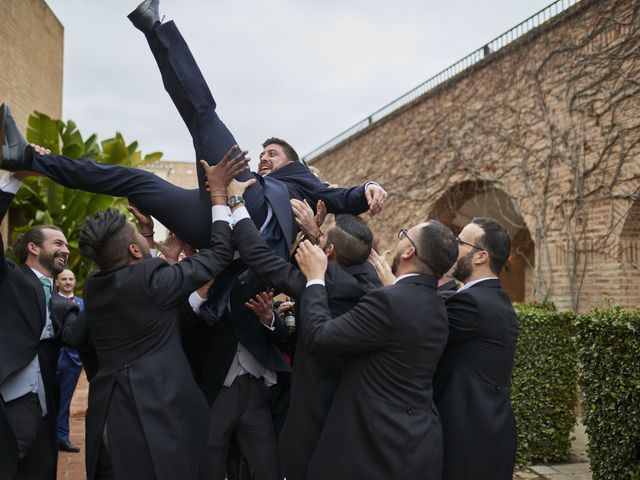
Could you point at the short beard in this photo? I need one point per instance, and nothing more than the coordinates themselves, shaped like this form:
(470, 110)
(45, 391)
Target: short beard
(395, 263)
(50, 264)
(463, 268)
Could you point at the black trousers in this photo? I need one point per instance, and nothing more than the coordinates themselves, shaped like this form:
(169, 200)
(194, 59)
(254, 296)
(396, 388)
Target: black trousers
(35, 436)
(185, 212)
(242, 409)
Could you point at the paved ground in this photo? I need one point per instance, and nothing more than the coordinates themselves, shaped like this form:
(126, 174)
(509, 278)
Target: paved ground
(71, 465)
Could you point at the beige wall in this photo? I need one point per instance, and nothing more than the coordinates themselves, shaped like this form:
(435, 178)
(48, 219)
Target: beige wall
(31, 60)
(550, 120)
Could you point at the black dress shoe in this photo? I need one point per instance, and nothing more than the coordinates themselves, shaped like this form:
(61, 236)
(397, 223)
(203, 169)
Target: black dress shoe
(145, 16)
(67, 446)
(14, 157)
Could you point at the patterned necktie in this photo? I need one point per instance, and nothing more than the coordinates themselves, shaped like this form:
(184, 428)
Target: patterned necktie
(46, 286)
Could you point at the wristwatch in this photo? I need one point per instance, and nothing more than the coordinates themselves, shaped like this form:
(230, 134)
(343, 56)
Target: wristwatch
(234, 200)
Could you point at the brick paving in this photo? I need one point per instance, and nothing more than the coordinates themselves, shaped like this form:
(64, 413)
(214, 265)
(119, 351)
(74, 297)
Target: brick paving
(71, 465)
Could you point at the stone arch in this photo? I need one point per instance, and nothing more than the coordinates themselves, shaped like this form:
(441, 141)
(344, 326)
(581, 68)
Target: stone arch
(630, 257)
(468, 199)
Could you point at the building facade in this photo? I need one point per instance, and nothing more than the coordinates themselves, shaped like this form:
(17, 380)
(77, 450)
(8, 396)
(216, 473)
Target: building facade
(543, 135)
(31, 55)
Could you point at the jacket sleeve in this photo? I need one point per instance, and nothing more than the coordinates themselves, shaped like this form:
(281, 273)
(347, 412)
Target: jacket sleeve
(462, 312)
(75, 331)
(171, 284)
(362, 329)
(257, 255)
(344, 200)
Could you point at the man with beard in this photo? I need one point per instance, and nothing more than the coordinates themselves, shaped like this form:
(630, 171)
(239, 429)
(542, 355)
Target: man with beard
(28, 348)
(473, 380)
(382, 423)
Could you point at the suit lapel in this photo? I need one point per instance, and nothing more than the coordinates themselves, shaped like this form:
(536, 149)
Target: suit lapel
(34, 281)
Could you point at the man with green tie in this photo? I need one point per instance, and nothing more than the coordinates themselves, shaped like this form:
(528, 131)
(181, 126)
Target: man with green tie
(29, 348)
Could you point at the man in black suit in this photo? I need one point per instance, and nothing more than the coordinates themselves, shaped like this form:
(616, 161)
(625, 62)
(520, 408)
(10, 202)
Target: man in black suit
(382, 423)
(145, 409)
(473, 380)
(28, 348)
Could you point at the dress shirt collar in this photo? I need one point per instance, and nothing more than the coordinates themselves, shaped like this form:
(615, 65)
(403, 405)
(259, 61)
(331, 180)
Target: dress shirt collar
(471, 284)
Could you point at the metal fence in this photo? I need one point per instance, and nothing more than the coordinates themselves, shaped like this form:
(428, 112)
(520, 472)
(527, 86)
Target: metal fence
(494, 45)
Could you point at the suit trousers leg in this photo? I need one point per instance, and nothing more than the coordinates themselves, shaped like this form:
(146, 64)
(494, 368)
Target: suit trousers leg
(255, 432)
(68, 374)
(38, 460)
(223, 420)
(191, 95)
(187, 213)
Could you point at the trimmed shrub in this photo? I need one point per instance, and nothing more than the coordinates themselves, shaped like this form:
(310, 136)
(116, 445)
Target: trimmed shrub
(608, 342)
(544, 390)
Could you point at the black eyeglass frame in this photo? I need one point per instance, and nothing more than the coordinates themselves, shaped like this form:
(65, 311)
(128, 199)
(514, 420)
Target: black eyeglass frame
(470, 244)
(403, 233)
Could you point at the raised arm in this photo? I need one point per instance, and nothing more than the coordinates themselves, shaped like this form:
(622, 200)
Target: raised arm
(257, 255)
(362, 329)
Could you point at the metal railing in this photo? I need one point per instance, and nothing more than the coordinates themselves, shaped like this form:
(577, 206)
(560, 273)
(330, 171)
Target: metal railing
(494, 45)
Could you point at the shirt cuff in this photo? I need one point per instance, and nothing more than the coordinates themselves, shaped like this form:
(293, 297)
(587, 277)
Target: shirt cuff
(240, 213)
(220, 213)
(369, 183)
(196, 301)
(315, 281)
(10, 184)
(273, 321)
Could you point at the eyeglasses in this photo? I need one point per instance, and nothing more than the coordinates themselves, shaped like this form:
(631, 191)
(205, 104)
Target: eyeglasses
(462, 242)
(402, 233)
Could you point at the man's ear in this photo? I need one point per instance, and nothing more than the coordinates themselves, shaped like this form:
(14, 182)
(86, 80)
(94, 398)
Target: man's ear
(330, 250)
(408, 252)
(33, 249)
(134, 251)
(481, 258)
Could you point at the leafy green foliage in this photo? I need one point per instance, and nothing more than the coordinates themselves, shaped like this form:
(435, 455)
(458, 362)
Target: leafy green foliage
(40, 200)
(608, 342)
(544, 390)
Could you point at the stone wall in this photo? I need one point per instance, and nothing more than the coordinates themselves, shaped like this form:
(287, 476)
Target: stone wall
(551, 121)
(31, 55)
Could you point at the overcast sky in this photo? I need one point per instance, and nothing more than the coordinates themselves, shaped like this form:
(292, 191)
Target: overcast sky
(298, 69)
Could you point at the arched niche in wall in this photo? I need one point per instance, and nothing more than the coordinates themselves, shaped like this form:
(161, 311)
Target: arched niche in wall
(466, 200)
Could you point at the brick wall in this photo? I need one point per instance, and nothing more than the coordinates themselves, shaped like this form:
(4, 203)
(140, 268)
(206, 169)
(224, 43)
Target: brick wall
(551, 122)
(31, 55)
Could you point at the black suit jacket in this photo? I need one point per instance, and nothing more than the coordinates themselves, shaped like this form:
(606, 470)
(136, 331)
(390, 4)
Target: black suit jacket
(22, 319)
(315, 379)
(157, 418)
(473, 384)
(382, 423)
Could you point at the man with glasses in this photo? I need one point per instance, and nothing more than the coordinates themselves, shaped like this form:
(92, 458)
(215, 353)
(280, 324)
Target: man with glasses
(382, 423)
(473, 379)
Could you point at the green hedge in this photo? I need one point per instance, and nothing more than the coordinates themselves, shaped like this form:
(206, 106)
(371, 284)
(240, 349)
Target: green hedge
(608, 342)
(544, 391)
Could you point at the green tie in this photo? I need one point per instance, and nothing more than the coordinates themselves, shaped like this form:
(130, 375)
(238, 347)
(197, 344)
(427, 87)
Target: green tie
(46, 286)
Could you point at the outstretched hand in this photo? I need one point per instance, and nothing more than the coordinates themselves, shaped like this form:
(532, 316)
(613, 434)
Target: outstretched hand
(376, 196)
(262, 306)
(307, 222)
(171, 248)
(145, 222)
(311, 260)
(381, 266)
(238, 188)
(220, 175)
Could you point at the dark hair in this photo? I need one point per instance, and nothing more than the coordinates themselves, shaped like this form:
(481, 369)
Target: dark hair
(289, 152)
(495, 241)
(35, 235)
(105, 238)
(438, 249)
(351, 238)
